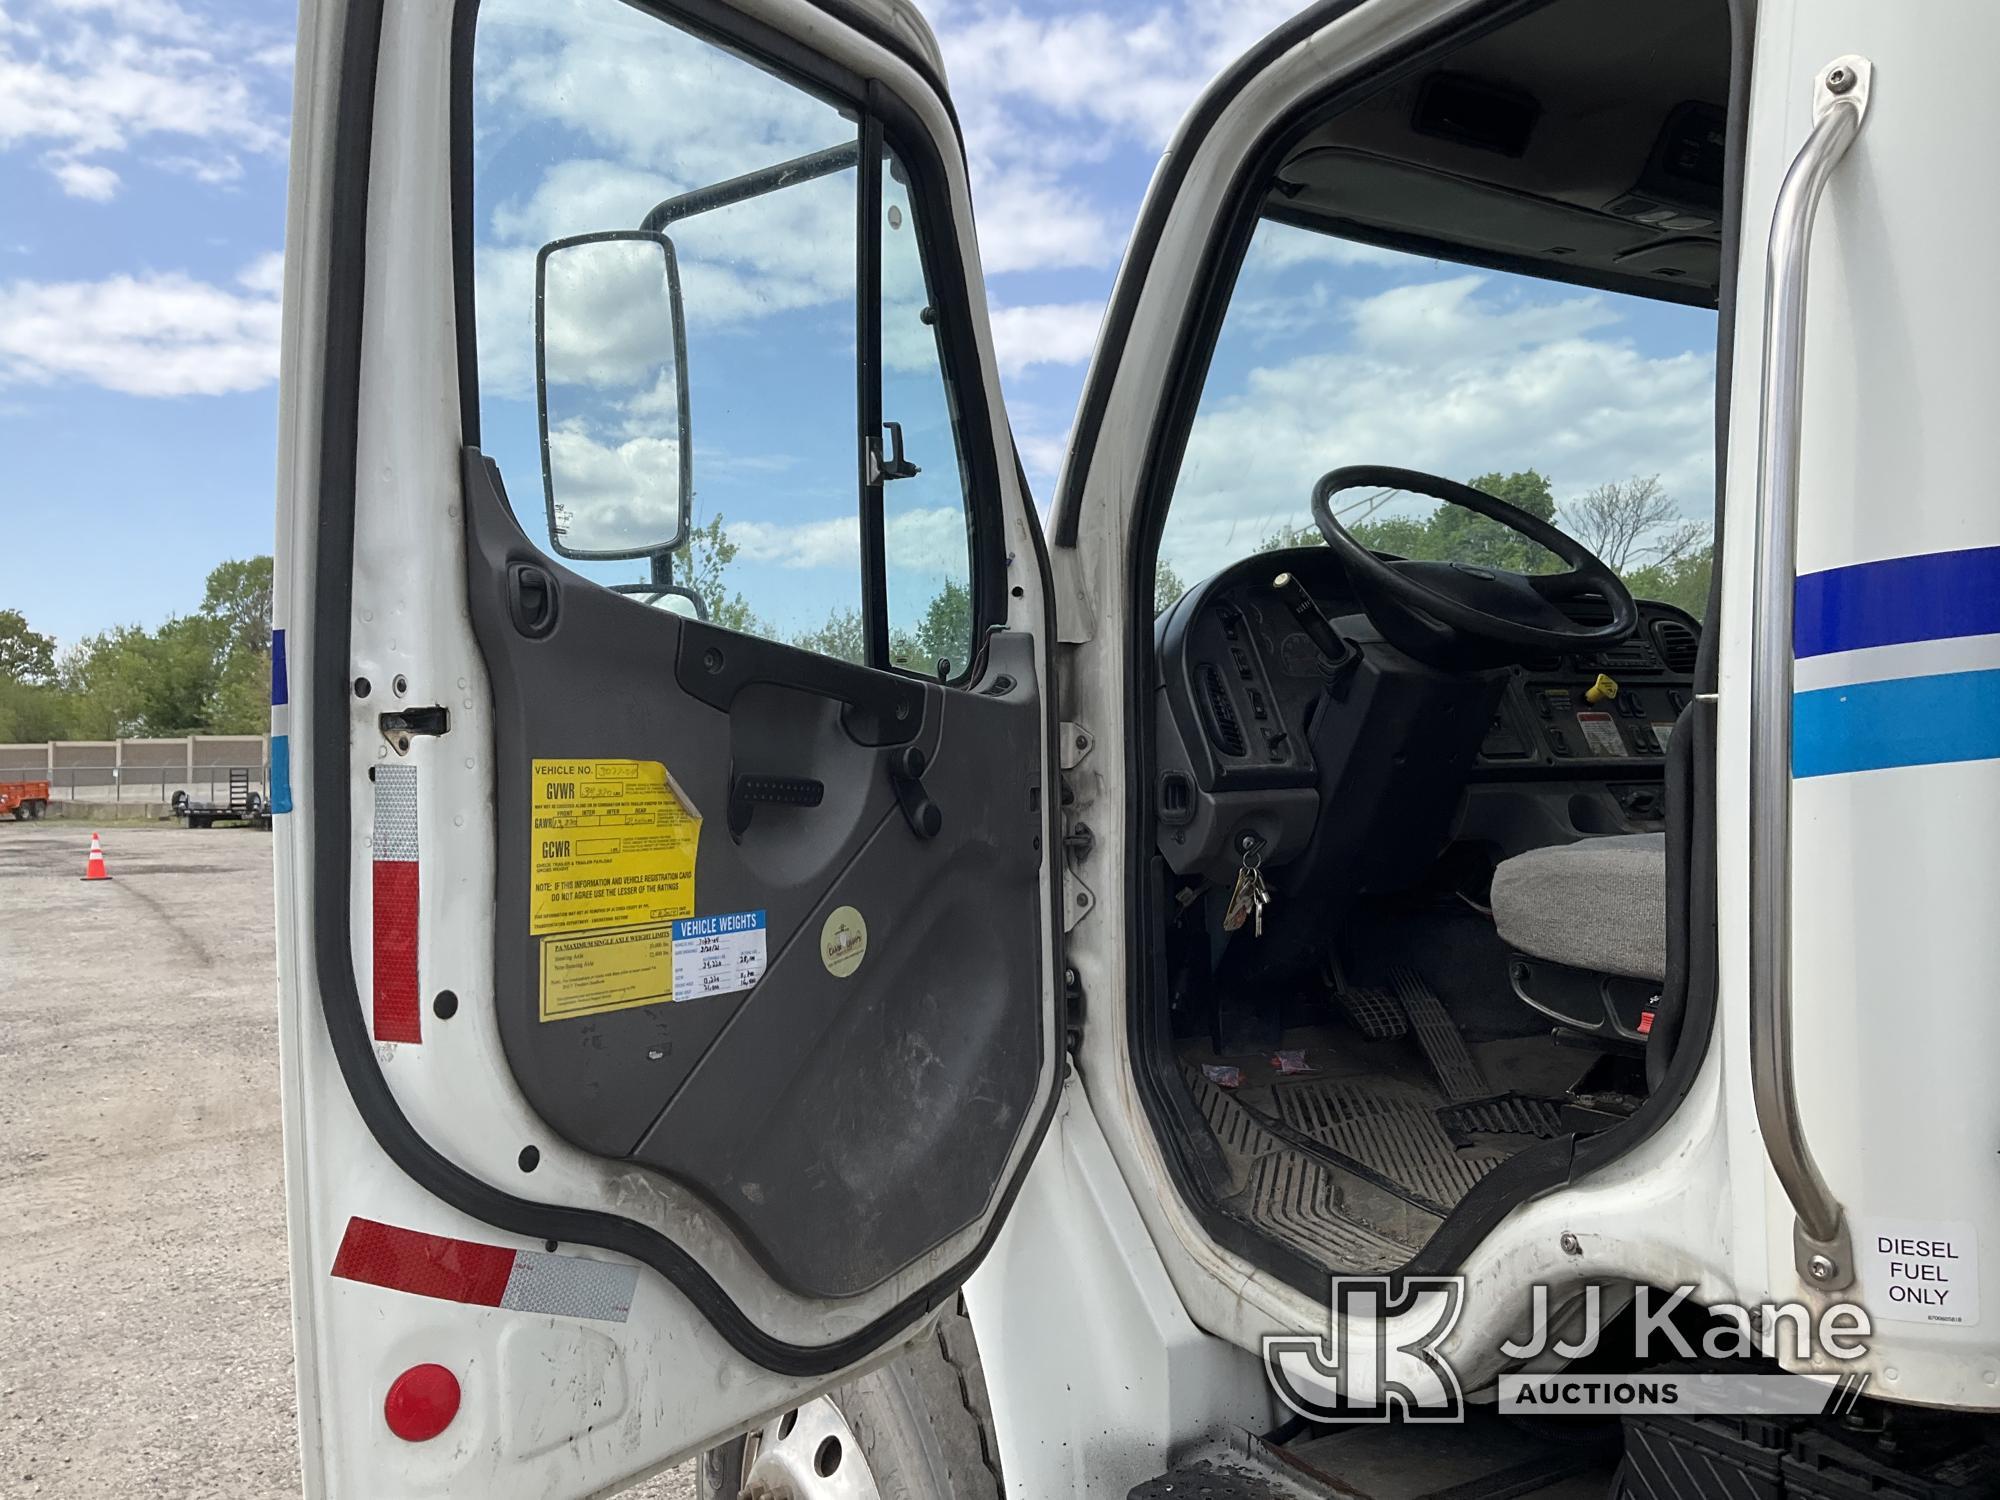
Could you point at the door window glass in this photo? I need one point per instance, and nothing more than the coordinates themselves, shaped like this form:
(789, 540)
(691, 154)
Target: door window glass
(926, 529)
(595, 116)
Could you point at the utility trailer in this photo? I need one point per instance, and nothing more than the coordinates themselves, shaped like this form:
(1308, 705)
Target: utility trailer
(24, 799)
(245, 805)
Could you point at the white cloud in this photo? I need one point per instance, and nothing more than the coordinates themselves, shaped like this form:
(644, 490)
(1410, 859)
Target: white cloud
(80, 179)
(929, 540)
(614, 497)
(265, 274)
(1042, 95)
(1061, 333)
(1029, 220)
(154, 334)
(214, 171)
(161, 18)
(1451, 377)
(84, 79)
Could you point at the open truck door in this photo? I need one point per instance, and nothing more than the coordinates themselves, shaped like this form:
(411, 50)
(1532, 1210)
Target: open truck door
(668, 993)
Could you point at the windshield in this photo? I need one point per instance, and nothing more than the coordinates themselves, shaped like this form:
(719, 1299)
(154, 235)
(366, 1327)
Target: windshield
(1591, 409)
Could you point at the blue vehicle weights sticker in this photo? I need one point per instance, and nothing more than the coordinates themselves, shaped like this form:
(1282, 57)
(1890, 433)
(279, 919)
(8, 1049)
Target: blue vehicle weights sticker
(718, 955)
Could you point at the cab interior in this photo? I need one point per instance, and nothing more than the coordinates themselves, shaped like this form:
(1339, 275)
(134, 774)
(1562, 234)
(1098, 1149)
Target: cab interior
(1417, 895)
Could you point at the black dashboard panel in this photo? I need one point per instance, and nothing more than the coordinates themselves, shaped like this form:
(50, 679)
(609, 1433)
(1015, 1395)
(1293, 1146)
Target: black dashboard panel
(1241, 676)
(1609, 712)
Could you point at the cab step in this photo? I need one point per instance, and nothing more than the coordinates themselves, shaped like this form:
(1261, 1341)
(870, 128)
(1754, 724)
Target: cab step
(1488, 1457)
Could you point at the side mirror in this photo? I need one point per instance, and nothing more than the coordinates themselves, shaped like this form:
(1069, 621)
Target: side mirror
(611, 385)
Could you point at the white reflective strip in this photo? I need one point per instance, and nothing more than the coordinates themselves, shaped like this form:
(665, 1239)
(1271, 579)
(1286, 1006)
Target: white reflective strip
(396, 813)
(570, 1286)
(1966, 653)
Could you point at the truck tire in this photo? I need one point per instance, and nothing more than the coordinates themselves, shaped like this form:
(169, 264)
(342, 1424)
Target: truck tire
(35, 808)
(922, 1425)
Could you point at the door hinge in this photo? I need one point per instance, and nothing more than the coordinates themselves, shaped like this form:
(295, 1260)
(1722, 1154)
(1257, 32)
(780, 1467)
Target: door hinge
(405, 724)
(1074, 743)
(1073, 1007)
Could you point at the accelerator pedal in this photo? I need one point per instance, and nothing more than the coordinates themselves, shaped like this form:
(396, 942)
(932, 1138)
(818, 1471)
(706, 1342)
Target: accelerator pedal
(1443, 1048)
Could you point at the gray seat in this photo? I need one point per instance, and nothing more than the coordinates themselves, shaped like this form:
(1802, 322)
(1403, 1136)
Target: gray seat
(1598, 904)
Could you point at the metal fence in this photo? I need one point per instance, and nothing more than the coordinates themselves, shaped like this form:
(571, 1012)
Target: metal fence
(141, 770)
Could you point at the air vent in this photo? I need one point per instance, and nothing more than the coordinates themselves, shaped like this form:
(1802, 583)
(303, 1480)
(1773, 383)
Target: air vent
(1679, 646)
(1587, 609)
(1225, 730)
(1176, 798)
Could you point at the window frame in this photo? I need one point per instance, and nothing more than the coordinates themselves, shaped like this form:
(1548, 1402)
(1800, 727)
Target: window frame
(885, 122)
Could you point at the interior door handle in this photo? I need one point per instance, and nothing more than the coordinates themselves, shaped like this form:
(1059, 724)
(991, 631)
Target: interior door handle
(714, 665)
(532, 600)
(1820, 1238)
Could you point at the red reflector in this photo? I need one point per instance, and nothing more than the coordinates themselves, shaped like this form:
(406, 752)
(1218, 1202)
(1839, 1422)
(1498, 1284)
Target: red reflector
(421, 1402)
(1645, 1023)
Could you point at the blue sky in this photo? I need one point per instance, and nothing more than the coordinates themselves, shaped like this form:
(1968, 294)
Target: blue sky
(142, 159)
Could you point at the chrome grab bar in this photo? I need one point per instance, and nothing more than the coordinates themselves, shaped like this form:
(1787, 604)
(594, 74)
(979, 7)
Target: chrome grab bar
(1819, 1239)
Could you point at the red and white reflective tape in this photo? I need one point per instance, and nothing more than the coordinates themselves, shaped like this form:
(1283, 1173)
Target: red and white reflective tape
(433, 1265)
(398, 1012)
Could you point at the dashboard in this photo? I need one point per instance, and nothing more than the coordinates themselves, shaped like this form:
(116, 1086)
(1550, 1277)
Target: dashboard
(1242, 693)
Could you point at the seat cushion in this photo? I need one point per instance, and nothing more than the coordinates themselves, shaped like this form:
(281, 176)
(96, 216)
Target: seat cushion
(1597, 904)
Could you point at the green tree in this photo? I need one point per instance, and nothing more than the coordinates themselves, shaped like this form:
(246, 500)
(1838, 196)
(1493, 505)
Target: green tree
(1682, 581)
(1451, 533)
(702, 564)
(842, 636)
(34, 711)
(1456, 534)
(945, 631)
(25, 655)
(1295, 534)
(131, 681)
(238, 593)
(1167, 587)
(237, 597)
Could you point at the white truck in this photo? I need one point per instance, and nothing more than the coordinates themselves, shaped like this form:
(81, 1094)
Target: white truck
(1399, 1015)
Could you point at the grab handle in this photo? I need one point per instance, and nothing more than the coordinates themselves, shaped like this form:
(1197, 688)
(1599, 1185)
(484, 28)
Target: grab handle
(1819, 1239)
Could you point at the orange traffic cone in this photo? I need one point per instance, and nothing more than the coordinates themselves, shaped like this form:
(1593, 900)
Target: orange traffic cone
(95, 869)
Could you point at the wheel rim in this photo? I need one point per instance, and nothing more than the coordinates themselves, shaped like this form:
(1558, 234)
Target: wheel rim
(808, 1454)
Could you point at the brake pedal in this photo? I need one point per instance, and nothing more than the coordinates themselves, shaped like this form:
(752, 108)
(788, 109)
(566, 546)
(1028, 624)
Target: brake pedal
(1375, 1014)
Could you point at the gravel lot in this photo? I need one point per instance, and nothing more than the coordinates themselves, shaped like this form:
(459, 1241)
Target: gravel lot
(145, 1336)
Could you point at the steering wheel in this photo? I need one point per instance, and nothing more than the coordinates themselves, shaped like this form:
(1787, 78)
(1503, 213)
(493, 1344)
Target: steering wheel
(1454, 613)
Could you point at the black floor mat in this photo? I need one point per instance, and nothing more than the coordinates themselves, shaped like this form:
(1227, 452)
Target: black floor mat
(1509, 1114)
(1390, 1128)
(1340, 1221)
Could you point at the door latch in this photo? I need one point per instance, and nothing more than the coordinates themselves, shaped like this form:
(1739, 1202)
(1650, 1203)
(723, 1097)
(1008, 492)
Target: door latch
(895, 466)
(405, 724)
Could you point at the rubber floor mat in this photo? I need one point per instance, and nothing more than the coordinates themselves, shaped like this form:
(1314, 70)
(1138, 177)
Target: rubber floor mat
(1301, 1201)
(1443, 1048)
(1509, 1114)
(1392, 1129)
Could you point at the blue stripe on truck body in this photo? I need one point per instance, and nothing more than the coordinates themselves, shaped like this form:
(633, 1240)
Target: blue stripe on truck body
(1929, 597)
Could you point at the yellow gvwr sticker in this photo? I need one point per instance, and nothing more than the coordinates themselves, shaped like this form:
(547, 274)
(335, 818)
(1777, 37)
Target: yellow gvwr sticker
(612, 845)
